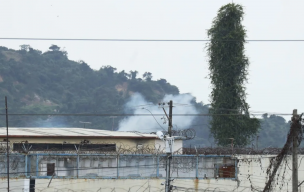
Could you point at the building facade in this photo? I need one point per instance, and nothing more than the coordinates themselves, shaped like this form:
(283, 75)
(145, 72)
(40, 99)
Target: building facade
(80, 140)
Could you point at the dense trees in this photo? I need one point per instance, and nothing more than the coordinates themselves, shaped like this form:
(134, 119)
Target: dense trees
(49, 82)
(228, 70)
(274, 130)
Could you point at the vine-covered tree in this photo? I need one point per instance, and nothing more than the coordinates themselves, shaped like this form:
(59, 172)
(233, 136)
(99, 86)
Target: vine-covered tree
(228, 67)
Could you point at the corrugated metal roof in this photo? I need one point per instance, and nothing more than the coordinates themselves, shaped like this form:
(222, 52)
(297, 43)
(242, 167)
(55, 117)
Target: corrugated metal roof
(69, 132)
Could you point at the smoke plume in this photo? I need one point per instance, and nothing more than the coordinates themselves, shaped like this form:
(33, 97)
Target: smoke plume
(183, 104)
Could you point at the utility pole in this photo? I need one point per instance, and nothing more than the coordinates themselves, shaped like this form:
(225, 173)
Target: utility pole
(257, 144)
(113, 117)
(168, 187)
(7, 147)
(295, 127)
(170, 118)
(169, 142)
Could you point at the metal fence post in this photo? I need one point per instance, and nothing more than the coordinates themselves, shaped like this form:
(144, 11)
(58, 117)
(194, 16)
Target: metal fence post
(77, 165)
(235, 169)
(196, 170)
(25, 168)
(157, 166)
(30, 165)
(37, 168)
(118, 163)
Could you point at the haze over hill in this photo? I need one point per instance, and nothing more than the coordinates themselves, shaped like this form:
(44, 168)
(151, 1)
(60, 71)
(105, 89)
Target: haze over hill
(43, 83)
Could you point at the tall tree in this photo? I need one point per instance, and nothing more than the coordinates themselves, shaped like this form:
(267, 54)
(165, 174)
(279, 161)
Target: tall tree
(54, 48)
(147, 76)
(25, 47)
(228, 67)
(133, 74)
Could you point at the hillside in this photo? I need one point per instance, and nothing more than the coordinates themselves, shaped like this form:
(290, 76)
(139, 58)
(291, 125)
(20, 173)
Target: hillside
(49, 82)
(37, 83)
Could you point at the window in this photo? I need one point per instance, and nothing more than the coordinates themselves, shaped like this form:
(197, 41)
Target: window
(63, 147)
(50, 169)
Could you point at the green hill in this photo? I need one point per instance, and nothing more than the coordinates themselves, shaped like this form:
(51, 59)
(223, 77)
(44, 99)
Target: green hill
(37, 83)
(49, 82)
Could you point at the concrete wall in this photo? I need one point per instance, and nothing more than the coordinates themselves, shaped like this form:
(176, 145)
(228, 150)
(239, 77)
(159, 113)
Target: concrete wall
(119, 185)
(20, 185)
(121, 166)
(132, 185)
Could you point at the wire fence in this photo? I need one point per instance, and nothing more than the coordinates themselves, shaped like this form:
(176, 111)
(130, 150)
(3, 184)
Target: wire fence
(123, 166)
(93, 172)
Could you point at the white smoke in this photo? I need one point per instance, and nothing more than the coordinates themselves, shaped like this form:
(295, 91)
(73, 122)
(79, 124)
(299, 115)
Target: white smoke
(138, 105)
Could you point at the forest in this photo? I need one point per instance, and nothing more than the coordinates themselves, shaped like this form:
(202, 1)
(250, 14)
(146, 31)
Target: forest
(38, 83)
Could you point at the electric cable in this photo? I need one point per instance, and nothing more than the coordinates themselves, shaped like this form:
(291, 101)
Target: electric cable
(149, 40)
(105, 115)
(154, 118)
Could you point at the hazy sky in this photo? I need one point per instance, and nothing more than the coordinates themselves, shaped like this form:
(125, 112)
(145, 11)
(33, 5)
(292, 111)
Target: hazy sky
(276, 68)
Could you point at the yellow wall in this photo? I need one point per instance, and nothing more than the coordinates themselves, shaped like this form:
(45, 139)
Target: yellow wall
(124, 143)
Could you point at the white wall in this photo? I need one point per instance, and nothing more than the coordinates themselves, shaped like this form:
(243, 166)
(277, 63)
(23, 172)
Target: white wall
(20, 185)
(252, 172)
(120, 185)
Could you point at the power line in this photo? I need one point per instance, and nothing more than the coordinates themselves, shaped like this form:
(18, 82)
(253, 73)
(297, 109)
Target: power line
(154, 118)
(105, 115)
(151, 40)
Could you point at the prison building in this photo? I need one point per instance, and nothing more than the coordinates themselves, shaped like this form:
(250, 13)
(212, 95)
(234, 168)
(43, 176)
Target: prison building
(29, 139)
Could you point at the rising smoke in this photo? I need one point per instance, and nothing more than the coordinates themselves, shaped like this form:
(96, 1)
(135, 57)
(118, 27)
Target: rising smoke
(183, 104)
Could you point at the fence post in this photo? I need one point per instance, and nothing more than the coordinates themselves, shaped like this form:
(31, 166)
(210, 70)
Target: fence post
(235, 169)
(118, 162)
(77, 165)
(37, 168)
(25, 168)
(157, 167)
(196, 171)
(29, 164)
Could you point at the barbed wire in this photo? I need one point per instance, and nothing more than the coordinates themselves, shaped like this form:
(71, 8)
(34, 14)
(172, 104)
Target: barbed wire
(235, 151)
(120, 148)
(296, 130)
(123, 148)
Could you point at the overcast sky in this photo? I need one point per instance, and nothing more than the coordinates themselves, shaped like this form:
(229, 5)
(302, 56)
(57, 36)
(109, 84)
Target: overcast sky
(276, 68)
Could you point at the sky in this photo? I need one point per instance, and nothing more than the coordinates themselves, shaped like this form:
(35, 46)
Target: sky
(275, 72)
